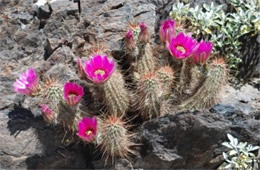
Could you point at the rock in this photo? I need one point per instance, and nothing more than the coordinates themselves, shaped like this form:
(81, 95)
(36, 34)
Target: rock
(120, 164)
(246, 99)
(28, 143)
(23, 17)
(51, 45)
(62, 55)
(62, 73)
(190, 140)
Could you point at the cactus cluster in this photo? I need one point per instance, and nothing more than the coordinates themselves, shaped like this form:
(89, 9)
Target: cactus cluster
(149, 93)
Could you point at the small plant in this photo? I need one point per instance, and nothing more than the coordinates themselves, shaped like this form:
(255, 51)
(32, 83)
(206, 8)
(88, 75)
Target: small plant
(240, 156)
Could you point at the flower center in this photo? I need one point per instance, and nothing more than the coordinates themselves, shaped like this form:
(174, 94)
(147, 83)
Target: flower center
(181, 48)
(89, 132)
(99, 71)
(72, 94)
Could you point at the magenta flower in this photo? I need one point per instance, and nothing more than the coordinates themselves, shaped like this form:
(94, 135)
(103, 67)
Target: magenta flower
(99, 68)
(129, 40)
(201, 52)
(144, 34)
(167, 30)
(47, 113)
(87, 129)
(181, 46)
(27, 83)
(73, 93)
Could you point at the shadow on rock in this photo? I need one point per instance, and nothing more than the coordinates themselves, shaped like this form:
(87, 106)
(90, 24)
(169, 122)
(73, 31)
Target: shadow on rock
(42, 146)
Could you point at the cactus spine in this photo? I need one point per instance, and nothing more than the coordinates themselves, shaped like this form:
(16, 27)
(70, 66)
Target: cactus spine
(116, 96)
(115, 139)
(150, 93)
(206, 95)
(166, 77)
(145, 63)
(52, 95)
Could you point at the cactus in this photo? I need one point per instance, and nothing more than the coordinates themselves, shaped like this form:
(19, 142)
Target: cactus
(115, 139)
(145, 62)
(153, 87)
(52, 94)
(115, 94)
(150, 93)
(131, 40)
(206, 95)
(166, 76)
(69, 116)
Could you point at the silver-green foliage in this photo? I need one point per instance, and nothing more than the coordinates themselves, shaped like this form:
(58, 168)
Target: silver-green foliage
(223, 29)
(240, 155)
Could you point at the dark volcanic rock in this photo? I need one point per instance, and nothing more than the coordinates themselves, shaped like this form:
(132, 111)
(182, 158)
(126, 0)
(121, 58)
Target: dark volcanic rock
(191, 140)
(27, 142)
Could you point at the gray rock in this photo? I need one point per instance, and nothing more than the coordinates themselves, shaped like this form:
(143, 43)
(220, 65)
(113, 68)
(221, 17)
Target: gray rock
(62, 55)
(62, 73)
(190, 140)
(246, 99)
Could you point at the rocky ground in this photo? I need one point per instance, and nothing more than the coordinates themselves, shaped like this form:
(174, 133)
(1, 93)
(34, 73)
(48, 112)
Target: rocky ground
(51, 38)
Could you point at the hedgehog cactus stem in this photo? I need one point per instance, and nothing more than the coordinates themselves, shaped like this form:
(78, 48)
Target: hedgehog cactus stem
(150, 93)
(145, 63)
(185, 76)
(115, 139)
(206, 95)
(68, 116)
(115, 94)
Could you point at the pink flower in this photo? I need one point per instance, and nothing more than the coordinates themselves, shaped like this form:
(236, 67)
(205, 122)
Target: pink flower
(47, 113)
(27, 83)
(181, 46)
(99, 68)
(201, 52)
(129, 40)
(167, 30)
(87, 129)
(73, 93)
(144, 35)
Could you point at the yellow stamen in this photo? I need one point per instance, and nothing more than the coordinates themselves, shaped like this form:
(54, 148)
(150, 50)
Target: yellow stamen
(181, 48)
(72, 95)
(99, 71)
(89, 132)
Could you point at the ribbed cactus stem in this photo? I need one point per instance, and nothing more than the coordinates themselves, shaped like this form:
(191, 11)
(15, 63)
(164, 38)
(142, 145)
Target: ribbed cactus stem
(206, 95)
(69, 116)
(185, 75)
(115, 138)
(166, 76)
(116, 96)
(145, 62)
(150, 93)
(52, 95)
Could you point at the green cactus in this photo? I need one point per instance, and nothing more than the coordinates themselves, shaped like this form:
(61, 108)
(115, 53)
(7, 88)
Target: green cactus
(150, 93)
(116, 96)
(145, 62)
(115, 139)
(206, 94)
(52, 94)
(166, 76)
